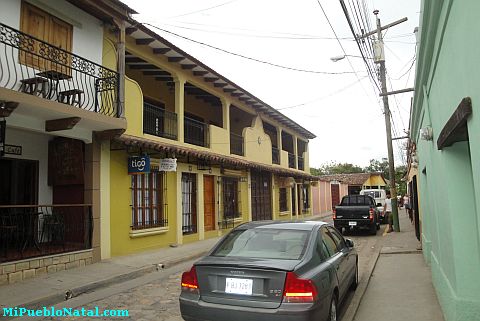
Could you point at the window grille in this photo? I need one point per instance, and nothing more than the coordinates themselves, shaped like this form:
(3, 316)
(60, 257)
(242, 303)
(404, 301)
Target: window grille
(149, 207)
(283, 200)
(189, 203)
(231, 201)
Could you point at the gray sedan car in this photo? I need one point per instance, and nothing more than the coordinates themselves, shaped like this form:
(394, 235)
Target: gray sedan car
(271, 271)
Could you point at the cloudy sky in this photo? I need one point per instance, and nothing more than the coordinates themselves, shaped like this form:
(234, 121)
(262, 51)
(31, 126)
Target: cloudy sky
(336, 101)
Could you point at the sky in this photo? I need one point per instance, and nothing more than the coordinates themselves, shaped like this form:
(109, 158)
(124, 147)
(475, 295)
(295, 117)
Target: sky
(341, 108)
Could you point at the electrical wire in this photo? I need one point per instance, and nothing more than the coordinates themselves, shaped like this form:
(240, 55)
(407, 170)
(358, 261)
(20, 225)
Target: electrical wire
(202, 10)
(324, 97)
(250, 58)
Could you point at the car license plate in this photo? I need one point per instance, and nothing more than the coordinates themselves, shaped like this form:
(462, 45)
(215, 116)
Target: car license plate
(352, 223)
(239, 286)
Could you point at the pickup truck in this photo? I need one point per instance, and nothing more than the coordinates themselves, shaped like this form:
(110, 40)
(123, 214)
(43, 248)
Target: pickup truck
(357, 211)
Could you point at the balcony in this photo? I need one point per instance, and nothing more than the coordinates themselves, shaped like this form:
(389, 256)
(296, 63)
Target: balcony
(35, 67)
(301, 163)
(159, 122)
(291, 160)
(236, 144)
(196, 132)
(275, 156)
(29, 231)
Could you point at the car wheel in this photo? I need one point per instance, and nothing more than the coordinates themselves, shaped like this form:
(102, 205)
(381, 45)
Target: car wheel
(332, 316)
(354, 284)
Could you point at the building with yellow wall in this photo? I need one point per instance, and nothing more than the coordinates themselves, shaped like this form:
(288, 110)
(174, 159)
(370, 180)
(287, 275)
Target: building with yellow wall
(218, 155)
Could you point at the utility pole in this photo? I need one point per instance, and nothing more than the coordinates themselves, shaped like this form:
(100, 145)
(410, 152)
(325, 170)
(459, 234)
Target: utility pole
(380, 59)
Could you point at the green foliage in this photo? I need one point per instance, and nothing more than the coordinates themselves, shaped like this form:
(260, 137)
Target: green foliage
(375, 166)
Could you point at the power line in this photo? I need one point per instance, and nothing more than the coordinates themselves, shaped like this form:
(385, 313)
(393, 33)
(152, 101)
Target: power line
(323, 97)
(250, 58)
(202, 10)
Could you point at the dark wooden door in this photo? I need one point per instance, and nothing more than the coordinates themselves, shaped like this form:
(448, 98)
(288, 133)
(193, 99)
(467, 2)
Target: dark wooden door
(261, 186)
(335, 189)
(209, 202)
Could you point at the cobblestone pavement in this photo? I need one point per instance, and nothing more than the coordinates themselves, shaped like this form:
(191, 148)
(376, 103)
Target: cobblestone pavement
(158, 299)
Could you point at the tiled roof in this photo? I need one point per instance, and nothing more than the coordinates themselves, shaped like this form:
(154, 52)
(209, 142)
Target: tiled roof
(350, 179)
(145, 143)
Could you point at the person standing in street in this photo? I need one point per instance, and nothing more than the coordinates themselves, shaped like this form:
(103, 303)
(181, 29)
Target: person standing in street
(387, 212)
(408, 207)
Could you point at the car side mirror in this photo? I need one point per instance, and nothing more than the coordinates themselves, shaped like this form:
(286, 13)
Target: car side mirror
(349, 242)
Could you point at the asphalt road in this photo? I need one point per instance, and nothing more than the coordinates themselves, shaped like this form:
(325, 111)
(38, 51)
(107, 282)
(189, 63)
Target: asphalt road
(155, 296)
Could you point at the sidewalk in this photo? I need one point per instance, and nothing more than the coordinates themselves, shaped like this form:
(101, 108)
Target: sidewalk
(400, 287)
(52, 288)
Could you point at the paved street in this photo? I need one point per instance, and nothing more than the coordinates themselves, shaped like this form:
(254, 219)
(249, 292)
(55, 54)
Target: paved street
(155, 296)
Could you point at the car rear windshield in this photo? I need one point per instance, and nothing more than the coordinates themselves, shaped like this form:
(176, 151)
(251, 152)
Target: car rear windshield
(356, 200)
(264, 243)
(373, 194)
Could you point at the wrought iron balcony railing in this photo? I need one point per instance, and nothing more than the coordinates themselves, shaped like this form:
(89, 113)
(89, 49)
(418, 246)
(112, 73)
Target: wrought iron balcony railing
(291, 160)
(159, 122)
(196, 132)
(275, 155)
(301, 163)
(236, 144)
(35, 67)
(28, 231)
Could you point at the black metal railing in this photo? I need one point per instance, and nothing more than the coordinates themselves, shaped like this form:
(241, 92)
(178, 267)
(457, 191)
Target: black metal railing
(275, 155)
(159, 122)
(301, 163)
(196, 132)
(28, 231)
(291, 160)
(35, 67)
(236, 144)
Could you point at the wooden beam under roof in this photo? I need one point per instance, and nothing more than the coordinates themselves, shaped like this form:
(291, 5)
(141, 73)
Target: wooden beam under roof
(7, 107)
(244, 98)
(200, 72)
(219, 84)
(156, 73)
(109, 134)
(144, 41)
(61, 124)
(143, 66)
(132, 59)
(164, 78)
(229, 90)
(130, 30)
(188, 66)
(176, 59)
(236, 94)
(161, 51)
(210, 79)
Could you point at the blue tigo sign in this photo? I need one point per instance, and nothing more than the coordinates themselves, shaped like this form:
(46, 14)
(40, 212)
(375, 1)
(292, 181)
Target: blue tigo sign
(138, 164)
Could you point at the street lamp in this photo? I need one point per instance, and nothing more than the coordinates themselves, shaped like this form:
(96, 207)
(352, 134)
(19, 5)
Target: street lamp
(338, 58)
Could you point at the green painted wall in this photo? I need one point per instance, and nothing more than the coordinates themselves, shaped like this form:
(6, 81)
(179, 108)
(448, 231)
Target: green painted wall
(447, 71)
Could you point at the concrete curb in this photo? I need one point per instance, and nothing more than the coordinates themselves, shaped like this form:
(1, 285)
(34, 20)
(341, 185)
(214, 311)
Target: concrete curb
(361, 289)
(90, 287)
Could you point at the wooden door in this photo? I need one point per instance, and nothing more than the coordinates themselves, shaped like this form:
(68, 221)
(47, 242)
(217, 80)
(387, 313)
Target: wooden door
(335, 189)
(209, 202)
(261, 183)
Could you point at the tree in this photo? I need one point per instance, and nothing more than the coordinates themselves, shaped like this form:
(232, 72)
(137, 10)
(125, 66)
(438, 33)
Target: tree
(336, 168)
(377, 166)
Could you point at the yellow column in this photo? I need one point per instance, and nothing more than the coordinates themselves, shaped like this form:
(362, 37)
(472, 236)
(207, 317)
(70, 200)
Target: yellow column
(180, 105)
(279, 144)
(275, 214)
(226, 114)
(249, 196)
(105, 240)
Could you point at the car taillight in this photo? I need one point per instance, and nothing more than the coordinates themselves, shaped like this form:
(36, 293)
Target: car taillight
(298, 290)
(334, 211)
(371, 214)
(190, 281)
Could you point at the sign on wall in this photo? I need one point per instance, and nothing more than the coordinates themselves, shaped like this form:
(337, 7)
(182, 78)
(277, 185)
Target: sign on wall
(168, 165)
(139, 164)
(13, 149)
(3, 125)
